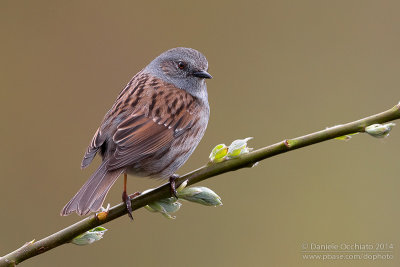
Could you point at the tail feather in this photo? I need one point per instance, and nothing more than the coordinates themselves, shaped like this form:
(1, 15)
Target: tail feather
(92, 194)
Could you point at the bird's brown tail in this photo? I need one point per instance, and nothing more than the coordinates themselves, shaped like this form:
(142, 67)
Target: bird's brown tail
(92, 194)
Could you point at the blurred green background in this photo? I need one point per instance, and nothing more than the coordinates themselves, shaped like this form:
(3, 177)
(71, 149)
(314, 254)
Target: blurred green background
(281, 69)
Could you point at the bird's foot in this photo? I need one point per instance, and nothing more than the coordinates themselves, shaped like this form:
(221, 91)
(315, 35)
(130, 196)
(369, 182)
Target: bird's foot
(172, 185)
(127, 200)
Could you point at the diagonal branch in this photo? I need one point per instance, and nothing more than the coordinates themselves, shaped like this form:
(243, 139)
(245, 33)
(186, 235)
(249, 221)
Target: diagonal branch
(247, 160)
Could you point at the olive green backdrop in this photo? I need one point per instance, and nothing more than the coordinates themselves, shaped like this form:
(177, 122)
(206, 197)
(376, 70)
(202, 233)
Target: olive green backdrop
(281, 69)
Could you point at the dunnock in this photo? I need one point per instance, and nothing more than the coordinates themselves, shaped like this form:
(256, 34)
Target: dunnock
(151, 130)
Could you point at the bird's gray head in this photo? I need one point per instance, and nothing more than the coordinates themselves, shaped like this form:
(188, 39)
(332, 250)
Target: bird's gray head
(186, 68)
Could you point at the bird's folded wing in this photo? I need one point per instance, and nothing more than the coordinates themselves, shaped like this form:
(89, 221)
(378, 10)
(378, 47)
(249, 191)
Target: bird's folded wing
(140, 136)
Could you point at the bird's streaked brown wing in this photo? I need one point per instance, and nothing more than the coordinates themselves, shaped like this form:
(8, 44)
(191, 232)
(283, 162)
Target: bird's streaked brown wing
(102, 132)
(162, 117)
(154, 112)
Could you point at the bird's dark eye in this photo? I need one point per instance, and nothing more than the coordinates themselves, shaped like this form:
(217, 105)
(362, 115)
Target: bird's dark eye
(181, 65)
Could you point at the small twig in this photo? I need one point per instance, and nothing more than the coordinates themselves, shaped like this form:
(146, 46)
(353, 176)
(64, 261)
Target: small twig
(64, 236)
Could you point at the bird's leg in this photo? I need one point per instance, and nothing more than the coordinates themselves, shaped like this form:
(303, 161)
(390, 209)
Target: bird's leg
(126, 199)
(172, 179)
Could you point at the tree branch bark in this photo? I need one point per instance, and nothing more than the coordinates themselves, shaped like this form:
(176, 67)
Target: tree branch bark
(64, 236)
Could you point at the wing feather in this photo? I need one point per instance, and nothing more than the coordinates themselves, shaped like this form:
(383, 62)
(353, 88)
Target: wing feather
(143, 134)
(97, 142)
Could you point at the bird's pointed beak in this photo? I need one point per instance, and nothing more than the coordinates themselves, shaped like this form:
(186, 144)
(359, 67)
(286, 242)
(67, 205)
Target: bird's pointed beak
(202, 74)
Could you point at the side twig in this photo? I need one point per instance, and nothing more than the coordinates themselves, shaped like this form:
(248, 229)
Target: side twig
(65, 235)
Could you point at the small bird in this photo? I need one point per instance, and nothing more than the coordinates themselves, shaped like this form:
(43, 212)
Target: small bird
(151, 130)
